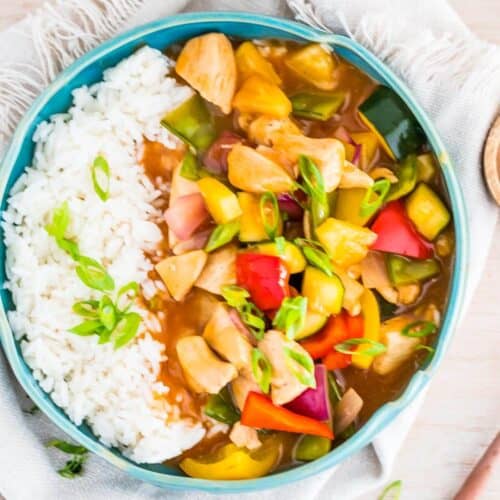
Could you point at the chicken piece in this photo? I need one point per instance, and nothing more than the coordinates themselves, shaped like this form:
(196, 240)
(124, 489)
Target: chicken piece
(389, 293)
(383, 173)
(180, 272)
(281, 159)
(241, 387)
(399, 347)
(353, 290)
(265, 129)
(327, 154)
(207, 63)
(354, 177)
(374, 275)
(347, 410)
(408, 294)
(224, 338)
(203, 370)
(245, 437)
(219, 270)
(285, 386)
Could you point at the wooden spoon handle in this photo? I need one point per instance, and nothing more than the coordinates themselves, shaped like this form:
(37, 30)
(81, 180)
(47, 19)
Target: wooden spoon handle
(474, 484)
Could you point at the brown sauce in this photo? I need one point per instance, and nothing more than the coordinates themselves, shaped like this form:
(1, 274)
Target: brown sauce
(190, 316)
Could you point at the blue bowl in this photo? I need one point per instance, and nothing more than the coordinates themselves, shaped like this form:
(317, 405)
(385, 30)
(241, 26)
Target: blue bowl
(160, 34)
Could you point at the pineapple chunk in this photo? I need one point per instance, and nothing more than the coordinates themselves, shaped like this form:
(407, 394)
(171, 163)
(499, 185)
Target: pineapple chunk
(249, 61)
(221, 202)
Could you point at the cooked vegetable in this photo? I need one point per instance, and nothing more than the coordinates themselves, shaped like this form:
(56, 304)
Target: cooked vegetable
(315, 105)
(288, 253)
(347, 410)
(291, 315)
(345, 243)
(244, 437)
(203, 370)
(313, 322)
(258, 95)
(186, 214)
(251, 225)
(101, 177)
(314, 402)
(406, 173)
(266, 174)
(348, 206)
(385, 113)
(261, 370)
(426, 167)
(324, 293)
(222, 235)
(219, 270)
(369, 206)
(220, 407)
(403, 271)
(427, 211)
(265, 277)
(368, 144)
(315, 64)
(192, 123)
(396, 234)
(270, 214)
(207, 63)
(215, 158)
(249, 61)
(221, 202)
(261, 413)
(370, 347)
(180, 272)
(419, 329)
(289, 205)
(311, 447)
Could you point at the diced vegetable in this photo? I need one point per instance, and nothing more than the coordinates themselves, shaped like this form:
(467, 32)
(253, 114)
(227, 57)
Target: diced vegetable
(219, 270)
(427, 211)
(258, 95)
(220, 407)
(186, 215)
(324, 293)
(215, 158)
(313, 323)
(249, 61)
(261, 413)
(403, 271)
(289, 253)
(207, 63)
(314, 403)
(385, 113)
(315, 105)
(346, 243)
(396, 234)
(347, 410)
(368, 143)
(222, 235)
(221, 202)
(251, 225)
(315, 64)
(180, 272)
(265, 277)
(232, 463)
(203, 370)
(426, 167)
(348, 206)
(266, 175)
(192, 123)
(289, 205)
(195, 242)
(406, 173)
(311, 448)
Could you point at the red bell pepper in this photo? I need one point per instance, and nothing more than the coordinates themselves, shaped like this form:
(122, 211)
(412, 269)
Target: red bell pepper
(265, 277)
(259, 412)
(396, 233)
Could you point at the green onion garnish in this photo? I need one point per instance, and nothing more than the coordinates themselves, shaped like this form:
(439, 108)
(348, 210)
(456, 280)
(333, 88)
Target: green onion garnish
(107, 313)
(334, 388)
(235, 296)
(222, 235)
(392, 491)
(101, 177)
(127, 329)
(419, 329)
(280, 245)
(375, 349)
(291, 315)
(87, 328)
(315, 255)
(86, 308)
(74, 466)
(61, 219)
(129, 291)
(305, 374)
(261, 369)
(65, 447)
(369, 206)
(270, 213)
(430, 351)
(93, 274)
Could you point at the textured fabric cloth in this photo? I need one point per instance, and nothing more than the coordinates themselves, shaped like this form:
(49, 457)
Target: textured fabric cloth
(454, 76)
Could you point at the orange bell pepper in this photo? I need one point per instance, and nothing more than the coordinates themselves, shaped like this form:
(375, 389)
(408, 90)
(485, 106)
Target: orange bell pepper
(259, 412)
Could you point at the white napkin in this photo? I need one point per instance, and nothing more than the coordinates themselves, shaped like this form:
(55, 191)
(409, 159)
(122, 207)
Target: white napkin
(453, 75)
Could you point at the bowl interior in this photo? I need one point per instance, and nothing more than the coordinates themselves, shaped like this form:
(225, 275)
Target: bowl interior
(161, 34)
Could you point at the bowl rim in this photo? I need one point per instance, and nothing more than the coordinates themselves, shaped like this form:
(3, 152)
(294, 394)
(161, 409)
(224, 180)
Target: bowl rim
(386, 413)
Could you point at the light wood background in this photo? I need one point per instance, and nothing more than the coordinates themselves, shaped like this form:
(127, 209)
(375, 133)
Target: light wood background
(462, 411)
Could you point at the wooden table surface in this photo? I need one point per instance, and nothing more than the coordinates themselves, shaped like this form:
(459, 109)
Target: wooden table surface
(462, 411)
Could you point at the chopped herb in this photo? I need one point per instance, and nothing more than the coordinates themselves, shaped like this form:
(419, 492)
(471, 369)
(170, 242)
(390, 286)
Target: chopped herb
(369, 206)
(305, 374)
(220, 407)
(280, 245)
(270, 214)
(430, 352)
(73, 467)
(107, 313)
(101, 177)
(129, 291)
(235, 296)
(261, 369)
(375, 349)
(419, 329)
(315, 255)
(392, 491)
(64, 446)
(94, 275)
(127, 329)
(57, 228)
(291, 315)
(222, 234)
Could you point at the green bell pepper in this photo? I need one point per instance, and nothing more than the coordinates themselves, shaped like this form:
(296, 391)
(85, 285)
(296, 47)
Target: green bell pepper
(403, 271)
(311, 447)
(316, 105)
(406, 173)
(220, 407)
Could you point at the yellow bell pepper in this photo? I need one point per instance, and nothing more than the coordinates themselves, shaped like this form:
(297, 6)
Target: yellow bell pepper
(348, 206)
(369, 144)
(258, 95)
(315, 64)
(251, 226)
(249, 61)
(324, 293)
(221, 202)
(231, 462)
(345, 243)
(291, 255)
(371, 328)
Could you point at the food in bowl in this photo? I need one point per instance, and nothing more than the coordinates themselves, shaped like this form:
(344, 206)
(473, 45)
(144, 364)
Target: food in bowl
(228, 256)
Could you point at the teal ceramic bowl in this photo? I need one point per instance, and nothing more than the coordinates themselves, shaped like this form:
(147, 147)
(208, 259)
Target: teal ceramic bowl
(160, 34)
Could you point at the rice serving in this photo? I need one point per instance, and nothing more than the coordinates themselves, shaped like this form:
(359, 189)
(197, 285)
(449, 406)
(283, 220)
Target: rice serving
(115, 391)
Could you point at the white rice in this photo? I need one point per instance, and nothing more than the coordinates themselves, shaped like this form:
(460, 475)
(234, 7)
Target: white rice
(115, 391)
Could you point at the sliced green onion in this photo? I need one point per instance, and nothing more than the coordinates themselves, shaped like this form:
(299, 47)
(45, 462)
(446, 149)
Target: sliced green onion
(101, 177)
(107, 313)
(280, 245)
(222, 235)
(65, 447)
(73, 467)
(86, 308)
(334, 388)
(270, 213)
(127, 329)
(261, 369)
(291, 315)
(89, 327)
(305, 375)
(235, 296)
(375, 349)
(314, 184)
(419, 329)
(369, 206)
(61, 219)
(254, 319)
(392, 491)
(430, 352)
(70, 247)
(318, 259)
(93, 274)
(129, 291)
